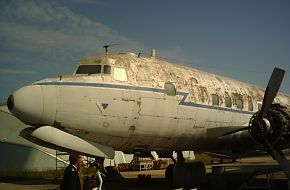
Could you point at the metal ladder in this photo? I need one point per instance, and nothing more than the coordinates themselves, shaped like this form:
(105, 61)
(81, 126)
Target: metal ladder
(59, 155)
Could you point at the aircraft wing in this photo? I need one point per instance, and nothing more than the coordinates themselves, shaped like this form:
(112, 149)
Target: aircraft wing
(219, 132)
(234, 155)
(54, 138)
(48, 137)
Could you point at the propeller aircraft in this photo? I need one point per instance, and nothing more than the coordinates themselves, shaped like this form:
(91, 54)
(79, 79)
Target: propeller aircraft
(136, 104)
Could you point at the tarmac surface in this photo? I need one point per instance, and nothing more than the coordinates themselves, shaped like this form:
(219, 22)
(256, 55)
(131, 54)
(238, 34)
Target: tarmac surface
(235, 176)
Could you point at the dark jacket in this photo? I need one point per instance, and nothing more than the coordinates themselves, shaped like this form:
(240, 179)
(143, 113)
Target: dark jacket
(71, 179)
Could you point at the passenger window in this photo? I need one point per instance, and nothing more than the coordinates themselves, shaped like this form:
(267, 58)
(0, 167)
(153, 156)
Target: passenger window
(120, 74)
(170, 89)
(250, 105)
(89, 69)
(259, 105)
(107, 69)
(228, 101)
(240, 104)
(215, 100)
(193, 80)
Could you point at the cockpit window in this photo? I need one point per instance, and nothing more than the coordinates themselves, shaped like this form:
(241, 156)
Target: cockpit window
(120, 74)
(107, 69)
(89, 69)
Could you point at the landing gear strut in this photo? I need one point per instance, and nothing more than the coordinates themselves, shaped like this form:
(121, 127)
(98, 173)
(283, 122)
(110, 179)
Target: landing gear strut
(186, 175)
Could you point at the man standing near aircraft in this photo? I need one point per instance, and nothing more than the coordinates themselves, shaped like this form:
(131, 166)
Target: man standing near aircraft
(71, 180)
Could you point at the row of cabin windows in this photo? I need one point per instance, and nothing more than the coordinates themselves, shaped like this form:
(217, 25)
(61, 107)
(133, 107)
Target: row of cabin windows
(119, 73)
(228, 102)
(170, 90)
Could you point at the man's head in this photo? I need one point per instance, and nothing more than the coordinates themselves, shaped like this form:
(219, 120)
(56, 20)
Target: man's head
(76, 160)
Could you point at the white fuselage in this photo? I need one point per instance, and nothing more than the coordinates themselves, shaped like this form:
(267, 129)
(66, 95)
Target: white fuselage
(140, 113)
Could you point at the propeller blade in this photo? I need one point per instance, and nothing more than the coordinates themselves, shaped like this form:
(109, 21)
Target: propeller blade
(271, 90)
(283, 162)
(236, 130)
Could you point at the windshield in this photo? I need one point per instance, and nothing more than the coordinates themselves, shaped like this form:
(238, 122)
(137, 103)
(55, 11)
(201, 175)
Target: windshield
(89, 69)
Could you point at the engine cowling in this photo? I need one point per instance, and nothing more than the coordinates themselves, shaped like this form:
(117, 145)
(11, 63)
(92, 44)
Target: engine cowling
(275, 126)
(54, 138)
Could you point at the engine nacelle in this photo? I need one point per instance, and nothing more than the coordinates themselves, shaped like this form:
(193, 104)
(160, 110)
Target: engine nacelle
(54, 138)
(275, 126)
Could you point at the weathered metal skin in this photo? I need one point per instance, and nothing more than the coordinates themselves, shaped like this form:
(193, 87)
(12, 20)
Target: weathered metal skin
(153, 73)
(141, 113)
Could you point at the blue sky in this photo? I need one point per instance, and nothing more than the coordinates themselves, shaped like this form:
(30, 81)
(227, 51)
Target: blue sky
(241, 39)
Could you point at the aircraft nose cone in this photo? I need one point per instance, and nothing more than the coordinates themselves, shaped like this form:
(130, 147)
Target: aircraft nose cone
(10, 102)
(27, 104)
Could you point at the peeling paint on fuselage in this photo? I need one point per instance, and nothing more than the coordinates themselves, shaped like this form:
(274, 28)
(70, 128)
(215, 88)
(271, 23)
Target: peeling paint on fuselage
(154, 73)
(140, 114)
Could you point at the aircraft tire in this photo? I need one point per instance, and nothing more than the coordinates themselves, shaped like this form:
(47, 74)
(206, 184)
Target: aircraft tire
(189, 175)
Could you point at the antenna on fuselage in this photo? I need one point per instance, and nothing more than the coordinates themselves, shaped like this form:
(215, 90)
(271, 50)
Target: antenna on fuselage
(107, 48)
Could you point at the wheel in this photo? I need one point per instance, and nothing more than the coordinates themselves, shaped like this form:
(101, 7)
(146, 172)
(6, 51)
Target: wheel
(189, 175)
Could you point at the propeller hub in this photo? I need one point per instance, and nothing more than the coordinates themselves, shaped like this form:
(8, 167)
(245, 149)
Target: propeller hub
(275, 126)
(266, 125)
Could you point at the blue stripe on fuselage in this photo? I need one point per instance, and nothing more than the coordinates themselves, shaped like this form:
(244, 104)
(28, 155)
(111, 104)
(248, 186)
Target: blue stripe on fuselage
(147, 89)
